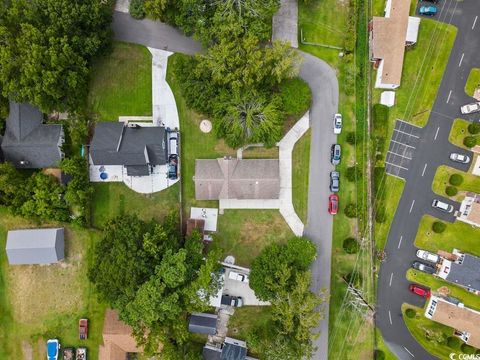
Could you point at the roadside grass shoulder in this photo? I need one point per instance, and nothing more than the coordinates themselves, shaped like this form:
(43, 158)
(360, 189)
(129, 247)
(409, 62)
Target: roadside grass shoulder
(469, 299)
(473, 81)
(458, 132)
(44, 302)
(300, 168)
(121, 83)
(440, 182)
(457, 235)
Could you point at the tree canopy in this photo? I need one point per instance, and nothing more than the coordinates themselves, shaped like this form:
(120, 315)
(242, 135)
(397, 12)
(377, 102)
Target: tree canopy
(46, 49)
(160, 282)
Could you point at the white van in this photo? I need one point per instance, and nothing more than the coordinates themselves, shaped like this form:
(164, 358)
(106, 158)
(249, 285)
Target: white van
(173, 143)
(440, 205)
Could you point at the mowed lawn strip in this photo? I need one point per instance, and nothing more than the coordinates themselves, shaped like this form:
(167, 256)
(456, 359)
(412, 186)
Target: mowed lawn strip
(440, 182)
(473, 81)
(457, 235)
(121, 83)
(300, 168)
(45, 302)
(116, 198)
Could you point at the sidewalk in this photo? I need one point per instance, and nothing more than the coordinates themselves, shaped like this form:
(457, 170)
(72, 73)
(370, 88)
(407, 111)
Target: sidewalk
(163, 102)
(286, 146)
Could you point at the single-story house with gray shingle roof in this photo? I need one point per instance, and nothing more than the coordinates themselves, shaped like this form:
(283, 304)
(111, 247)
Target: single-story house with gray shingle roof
(202, 323)
(136, 148)
(231, 349)
(35, 246)
(230, 178)
(28, 143)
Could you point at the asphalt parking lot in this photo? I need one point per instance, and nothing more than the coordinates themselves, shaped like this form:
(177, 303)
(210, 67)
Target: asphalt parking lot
(402, 148)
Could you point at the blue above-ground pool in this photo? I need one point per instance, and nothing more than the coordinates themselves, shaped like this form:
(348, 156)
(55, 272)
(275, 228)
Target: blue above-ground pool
(52, 349)
(103, 176)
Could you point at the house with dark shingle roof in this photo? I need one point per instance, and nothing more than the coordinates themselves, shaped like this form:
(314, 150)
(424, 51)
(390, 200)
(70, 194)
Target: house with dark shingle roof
(28, 142)
(461, 269)
(35, 246)
(230, 178)
(231, 349)
(134, 148)
(203, 323)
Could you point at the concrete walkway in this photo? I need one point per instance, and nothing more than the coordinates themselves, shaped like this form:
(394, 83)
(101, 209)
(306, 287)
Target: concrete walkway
(285, 147)
(285, 23)
(164, 106)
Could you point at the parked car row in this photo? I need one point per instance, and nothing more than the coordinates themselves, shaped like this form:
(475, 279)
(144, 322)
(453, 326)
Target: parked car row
(335, 157)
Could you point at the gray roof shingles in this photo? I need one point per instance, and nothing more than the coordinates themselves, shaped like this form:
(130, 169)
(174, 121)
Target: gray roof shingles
(467, 273)
(202, 323)
(35, 246)
(28, 143)
(116, 144)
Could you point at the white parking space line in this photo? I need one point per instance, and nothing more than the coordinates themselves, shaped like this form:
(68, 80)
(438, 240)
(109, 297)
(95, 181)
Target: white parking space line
(461, 59)
(391, 277)
(411, 207)
(409, 351)
(409, 124)
(436, 134)
(424, 168)
(401, 167)
(390, 317)
(403, 156)
(398, 177)
(398, 142)
(403, 132)
(474, 22)
(400, 242)
(449, 94)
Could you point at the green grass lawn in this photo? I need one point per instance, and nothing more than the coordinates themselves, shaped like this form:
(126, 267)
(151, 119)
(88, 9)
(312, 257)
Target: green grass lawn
(422, 72)
(458, 235)
(121, 83)
(458, 132)
(300, 167)
(440, 182)
(112, 199)
(42, 302)
(434, 283)
(473, 81)
(431, 335)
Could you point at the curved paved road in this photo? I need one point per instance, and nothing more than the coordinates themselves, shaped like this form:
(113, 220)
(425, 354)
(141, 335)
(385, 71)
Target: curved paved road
(324, 85)
(432, 151)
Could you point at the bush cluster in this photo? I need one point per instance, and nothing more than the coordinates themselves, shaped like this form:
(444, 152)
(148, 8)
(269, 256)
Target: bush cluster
(470, 141)
(455, 179)
(351, 138)
(453, 342)
(137, 9)
(451, 190)
(351, 245)
(296, 96)
(351, 210)
(474, 128)
(438, 227)
(410, 313)
(352, 173)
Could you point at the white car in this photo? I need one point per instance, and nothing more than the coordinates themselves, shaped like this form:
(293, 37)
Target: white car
(464, 159)
(428, 256)
(440, 205)
(470, 108)
(237, 276)
(337, 124)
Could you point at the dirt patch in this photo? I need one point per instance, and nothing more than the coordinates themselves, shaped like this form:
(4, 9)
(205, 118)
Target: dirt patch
(27, 350)
(443, 291)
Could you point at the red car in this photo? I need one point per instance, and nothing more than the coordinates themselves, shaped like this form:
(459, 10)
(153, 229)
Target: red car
(419, 290)
(333, 204)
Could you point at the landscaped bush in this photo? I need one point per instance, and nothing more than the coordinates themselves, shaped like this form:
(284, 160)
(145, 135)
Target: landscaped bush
(453, 342)
(470, 141)
(354, 278)
(351, 210)
(467, 349)
(439, 227)
(410, 313)
(451, 191)
(456, 180)
(296, 96)
(474, 128)
(352, 173)
(351, 138)
(379, 355)
(137, 9)
(351, 245)
(381, 215)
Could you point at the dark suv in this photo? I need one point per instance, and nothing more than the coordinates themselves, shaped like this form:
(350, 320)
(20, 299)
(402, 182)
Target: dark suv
(335, 154)
(429, 269)
(173, 167)
(235, 301)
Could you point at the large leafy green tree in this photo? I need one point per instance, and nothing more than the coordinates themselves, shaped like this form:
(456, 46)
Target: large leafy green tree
(47, 47)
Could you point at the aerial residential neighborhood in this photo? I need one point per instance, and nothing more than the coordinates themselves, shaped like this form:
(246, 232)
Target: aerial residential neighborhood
(239, 179)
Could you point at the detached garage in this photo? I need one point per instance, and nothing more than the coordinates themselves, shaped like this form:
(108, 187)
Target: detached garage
(35, 246)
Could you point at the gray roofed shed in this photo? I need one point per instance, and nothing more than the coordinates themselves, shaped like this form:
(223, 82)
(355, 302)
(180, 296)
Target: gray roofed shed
(202, 323)
(28, 143)
(229, 178)
(114, 143)
(35, 246)
(467, 273)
